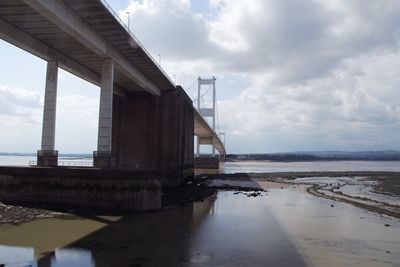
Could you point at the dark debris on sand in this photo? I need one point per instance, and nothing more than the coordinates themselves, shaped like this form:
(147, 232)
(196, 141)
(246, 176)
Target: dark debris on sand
(185, 194)
(18, 214)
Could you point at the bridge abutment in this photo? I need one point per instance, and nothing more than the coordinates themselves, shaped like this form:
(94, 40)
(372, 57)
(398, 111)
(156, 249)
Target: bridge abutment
(154, 133)
(103, 160)
(206, 162)
(47, 158)
(81, 187)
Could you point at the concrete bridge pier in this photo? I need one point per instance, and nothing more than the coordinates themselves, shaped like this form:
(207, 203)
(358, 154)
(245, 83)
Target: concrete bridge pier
(48, 156)
(154, 133)
(206, 161)
(102, 158)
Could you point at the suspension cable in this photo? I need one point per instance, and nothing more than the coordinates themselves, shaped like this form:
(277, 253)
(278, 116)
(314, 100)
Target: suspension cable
(190, 87)
(202, 95)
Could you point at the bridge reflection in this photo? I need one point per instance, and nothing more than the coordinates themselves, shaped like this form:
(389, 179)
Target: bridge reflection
(155, 239)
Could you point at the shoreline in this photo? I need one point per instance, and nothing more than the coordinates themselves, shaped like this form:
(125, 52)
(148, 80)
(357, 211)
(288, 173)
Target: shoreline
(387, 184)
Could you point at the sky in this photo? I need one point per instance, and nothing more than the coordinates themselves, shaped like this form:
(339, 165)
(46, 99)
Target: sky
(292, 75)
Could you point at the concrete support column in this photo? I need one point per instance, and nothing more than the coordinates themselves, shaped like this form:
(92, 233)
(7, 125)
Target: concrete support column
(214, 110)
(198, 108)
(48, 156)
(102, 157)
(198, 146)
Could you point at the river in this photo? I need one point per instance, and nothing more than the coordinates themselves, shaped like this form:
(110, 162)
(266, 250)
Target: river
(285, 226)
(244, 166)
(310, 166)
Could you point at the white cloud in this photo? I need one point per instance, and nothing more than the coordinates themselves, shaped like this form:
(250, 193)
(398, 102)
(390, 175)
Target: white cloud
(19, 103)
(316, 74)
(77, 123)
(21, 112)
(355, 107)
(236, 132)
(322, 74)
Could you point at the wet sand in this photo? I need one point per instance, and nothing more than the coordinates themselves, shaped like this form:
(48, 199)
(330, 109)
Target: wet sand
(284, 226)
(254, 220)
(377, 192)
(335, 233)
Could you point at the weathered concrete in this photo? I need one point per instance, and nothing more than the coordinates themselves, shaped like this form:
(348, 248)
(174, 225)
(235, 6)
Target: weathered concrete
(154, 133)
(70, 22)
(102, 158)
(50, 107)
(85, 187)
(206, 162)
(47, 158)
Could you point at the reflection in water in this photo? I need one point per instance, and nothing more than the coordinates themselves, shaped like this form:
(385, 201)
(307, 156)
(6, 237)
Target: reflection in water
(329, 233)
(71, 257)
(207, 233)
(17, 256)
(284, 228)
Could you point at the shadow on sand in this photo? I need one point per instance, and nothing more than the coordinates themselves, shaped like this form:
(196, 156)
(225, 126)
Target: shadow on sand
(233, 230)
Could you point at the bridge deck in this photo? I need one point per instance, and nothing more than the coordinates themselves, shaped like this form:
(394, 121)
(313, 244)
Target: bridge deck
(80, 34)
(87, 62)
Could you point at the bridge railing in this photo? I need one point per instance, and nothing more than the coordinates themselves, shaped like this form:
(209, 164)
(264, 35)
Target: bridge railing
(118, 18)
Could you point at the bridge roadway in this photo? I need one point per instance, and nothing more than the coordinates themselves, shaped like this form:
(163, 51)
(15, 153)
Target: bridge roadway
(146, 123)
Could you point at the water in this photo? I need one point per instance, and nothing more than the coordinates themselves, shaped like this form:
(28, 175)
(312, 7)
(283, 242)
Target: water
(16, 160)
(309, 166)
(282, 228)
(31, 160)
(245, 166)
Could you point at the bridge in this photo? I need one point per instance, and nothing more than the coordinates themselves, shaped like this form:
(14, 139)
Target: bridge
(147, 123)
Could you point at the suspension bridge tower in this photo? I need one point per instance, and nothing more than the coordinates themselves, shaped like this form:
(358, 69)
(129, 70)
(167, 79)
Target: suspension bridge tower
(206, 112)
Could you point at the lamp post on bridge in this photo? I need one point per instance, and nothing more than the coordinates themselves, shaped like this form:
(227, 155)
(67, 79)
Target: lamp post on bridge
(129, 19)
